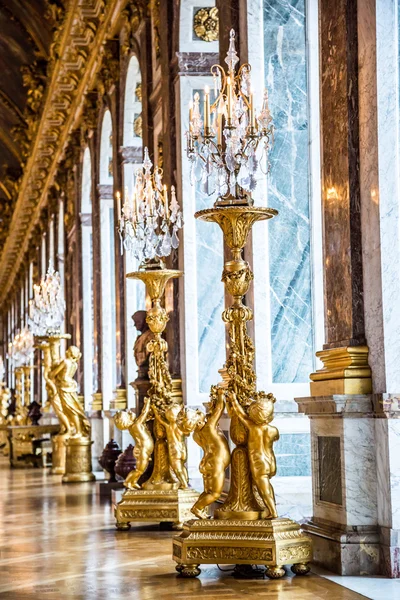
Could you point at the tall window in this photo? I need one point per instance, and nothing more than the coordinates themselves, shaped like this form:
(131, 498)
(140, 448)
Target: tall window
(133, 154)
(87, 277)
(109, 353)
(203, 263)
(287, 253)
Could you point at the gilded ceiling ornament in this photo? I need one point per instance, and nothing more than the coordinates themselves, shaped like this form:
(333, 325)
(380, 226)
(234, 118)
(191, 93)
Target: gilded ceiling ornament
(138, 92)
(206, 24)
(138, 126)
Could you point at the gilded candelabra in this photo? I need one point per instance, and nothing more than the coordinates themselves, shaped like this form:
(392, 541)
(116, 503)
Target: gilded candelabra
(20, 352)
(166, 495)
(245, 529)
(72, 446)
(50, 345)
(145, 225)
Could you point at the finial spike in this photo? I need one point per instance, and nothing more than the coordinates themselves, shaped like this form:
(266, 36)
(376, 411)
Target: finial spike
(232, 58)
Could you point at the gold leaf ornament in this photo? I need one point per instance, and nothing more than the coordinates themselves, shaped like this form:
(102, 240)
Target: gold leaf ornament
(206, 24)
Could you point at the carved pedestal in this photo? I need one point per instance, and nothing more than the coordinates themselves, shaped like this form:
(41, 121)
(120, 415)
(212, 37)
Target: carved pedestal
(168, 506)
(78, 461)
(4, 447)
(58, 453)
(272, 543)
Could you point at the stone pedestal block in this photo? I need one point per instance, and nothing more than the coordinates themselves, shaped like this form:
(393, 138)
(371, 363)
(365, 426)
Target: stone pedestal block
(356, 482)
(345, 550)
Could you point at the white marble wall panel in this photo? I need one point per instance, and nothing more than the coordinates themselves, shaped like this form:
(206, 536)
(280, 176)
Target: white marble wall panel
(389, 171)
(360, 486)
(188, 41)
(383, 472)
(358, 471)
(394, 461)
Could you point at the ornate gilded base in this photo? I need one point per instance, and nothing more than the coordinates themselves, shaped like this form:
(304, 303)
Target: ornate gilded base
(58, 454)
(272, 543)
(78, 461)
(171, 506)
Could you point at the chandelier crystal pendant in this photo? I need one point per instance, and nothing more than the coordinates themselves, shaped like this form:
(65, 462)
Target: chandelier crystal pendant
(230, 142)
(149, 221)
(47, 308)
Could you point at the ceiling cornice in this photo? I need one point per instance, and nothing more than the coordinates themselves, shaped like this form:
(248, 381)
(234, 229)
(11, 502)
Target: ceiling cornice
(86, 27)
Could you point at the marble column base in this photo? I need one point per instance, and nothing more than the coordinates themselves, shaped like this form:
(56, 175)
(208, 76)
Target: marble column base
(345, 550)
(390, 552)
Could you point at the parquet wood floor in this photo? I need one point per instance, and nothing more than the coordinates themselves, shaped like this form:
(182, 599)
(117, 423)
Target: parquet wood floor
(59, 541)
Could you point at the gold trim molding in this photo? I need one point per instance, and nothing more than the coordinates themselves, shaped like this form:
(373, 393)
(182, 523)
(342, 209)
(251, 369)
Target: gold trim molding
(345, 371)
(80, 48)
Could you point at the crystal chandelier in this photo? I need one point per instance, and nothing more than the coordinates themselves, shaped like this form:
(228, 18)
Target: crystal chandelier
(22, 347)
(232, 142)
(149, 221)
(46, 309)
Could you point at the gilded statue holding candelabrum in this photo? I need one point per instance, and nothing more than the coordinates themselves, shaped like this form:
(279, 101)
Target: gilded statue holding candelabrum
(78, 460)
(72, 446)
(245, 528)
(62, 375)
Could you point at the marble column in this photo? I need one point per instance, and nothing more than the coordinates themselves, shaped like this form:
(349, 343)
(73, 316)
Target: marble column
(356, 433)
(345, 353)
(97, 403)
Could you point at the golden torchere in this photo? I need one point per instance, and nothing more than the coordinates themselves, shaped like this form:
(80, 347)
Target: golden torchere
(20, 416)
(245, 529)
(50, 345)
(166, 495)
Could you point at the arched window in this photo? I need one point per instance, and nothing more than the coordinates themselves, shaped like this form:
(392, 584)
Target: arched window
(107, 232)
(87, 277)
(132, 153)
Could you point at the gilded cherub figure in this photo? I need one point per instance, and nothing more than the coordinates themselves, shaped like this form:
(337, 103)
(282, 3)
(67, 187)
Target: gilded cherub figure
(51, 389)
(175, 428)
(261, 437)
(63, 376)
(144, 444)
(216, 457)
